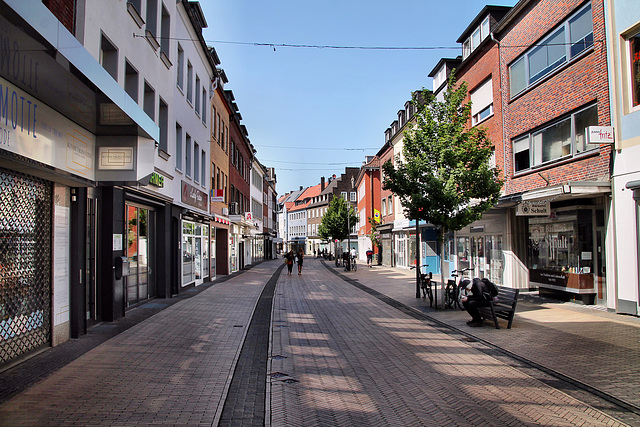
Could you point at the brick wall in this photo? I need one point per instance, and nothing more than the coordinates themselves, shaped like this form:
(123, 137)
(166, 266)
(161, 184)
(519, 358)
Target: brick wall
(572, 86)
(477, 69)
(64, 10)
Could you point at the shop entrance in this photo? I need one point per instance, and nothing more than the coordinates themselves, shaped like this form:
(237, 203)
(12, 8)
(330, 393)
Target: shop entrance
(92, 293)
(195, 253)
(139, 283)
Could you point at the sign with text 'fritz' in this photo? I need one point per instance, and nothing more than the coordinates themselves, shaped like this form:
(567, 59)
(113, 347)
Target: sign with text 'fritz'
(541, 208)
(600, 135)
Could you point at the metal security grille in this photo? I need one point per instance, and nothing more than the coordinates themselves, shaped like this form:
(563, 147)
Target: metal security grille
(25, 264)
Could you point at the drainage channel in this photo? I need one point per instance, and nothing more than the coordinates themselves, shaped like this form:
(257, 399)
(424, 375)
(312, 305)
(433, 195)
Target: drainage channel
(603, 401)
(245, 401)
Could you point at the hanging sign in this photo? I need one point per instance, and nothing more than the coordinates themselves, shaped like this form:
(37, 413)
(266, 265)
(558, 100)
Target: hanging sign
(600, 135)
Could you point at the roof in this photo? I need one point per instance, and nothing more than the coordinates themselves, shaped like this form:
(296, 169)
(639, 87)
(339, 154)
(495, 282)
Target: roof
(487, 10)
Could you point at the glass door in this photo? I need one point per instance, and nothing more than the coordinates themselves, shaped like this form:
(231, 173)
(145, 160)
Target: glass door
(92, 294)
(138, 243)
(477, 256)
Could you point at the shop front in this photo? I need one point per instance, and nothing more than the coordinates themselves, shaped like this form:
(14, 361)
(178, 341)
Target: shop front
(195, 252)
(385, 250)
(566, 254)
(480, 247)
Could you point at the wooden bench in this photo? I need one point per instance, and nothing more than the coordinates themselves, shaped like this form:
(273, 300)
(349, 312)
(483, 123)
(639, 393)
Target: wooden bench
(503, 308)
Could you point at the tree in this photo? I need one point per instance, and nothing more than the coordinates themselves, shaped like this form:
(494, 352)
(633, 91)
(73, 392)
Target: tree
(444, 176)
(337, 220)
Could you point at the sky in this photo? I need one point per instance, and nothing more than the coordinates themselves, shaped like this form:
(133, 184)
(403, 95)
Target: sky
(311, 112)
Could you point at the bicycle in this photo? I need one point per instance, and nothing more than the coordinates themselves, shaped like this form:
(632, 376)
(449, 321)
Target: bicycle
(453, 291)
(426, 285)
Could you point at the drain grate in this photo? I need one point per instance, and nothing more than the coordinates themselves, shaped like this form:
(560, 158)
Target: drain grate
(238, 326)
(468, 339)
(278, 357)
(290, 381)
(282, 326)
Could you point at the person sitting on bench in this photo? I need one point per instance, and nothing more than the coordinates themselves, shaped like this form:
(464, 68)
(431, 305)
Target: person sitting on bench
(476, 299)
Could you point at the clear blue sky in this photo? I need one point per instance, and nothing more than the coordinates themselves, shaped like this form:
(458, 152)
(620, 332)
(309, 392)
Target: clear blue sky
(307, 109)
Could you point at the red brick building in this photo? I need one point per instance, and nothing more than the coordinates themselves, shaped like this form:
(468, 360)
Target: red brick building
(554, 85)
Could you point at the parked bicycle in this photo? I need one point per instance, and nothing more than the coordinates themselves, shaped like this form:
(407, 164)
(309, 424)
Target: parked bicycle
(351, 264)
(426, 285)
(454, 290)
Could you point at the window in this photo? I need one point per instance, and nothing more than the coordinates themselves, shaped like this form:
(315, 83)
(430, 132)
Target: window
(179, 147)
(196, 162)
(634, 50)
(562, 138)
(164, 126)
(384, 207)
(131, 81)
(482, 102)
(152, 17)
(189, 82)
(352, 196)
(479, 34)
(165, 32)
(343, 194)
(180, 66)
(204, 105)
(188, 149)
(197, 91)
(390, 210)
(109, 57)
(570, 39)
(149, 101)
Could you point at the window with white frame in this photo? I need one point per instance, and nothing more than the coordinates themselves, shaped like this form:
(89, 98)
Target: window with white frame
(352, 196)
(562, 138)
(562, 45)
(343, 194)
(634, 52)
(477, 36)
(384, 207)
(482, 102)
(390, 210)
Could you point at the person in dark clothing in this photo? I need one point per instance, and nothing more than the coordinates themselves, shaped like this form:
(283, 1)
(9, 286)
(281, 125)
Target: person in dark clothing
(300, 258)
(476, 298)
(289, 257)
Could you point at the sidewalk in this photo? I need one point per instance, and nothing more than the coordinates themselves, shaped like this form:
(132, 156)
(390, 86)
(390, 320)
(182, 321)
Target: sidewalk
(594, 347)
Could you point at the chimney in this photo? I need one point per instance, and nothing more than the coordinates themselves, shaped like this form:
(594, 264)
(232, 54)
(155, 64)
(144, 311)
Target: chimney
(301, 188)
(322, 183)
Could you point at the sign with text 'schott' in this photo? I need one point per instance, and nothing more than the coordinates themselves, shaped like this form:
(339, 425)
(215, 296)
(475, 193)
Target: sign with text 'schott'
(194, 197)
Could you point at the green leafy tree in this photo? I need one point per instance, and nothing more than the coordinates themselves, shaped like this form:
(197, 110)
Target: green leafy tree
(336, 221)
(444, 176)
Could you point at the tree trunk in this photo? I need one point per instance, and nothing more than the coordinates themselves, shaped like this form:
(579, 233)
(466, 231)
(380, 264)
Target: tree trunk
(442, 271)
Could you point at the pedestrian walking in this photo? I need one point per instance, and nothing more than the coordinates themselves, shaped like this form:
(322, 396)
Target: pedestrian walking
(369, 257)
(300, 259)
(288, 259)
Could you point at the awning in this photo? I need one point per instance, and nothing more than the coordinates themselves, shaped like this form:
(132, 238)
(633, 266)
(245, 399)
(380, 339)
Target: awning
(568, 191)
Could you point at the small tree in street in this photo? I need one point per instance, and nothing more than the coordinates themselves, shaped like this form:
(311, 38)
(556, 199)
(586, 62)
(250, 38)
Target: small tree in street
(444, 176)
(337, 220)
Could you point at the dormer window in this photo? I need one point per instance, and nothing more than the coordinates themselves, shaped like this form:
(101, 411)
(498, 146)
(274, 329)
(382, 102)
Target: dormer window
(439, 78)
(477, 36)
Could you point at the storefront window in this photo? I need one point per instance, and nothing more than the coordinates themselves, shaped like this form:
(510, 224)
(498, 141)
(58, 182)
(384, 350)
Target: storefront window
(494, 259)
(563, 242)
(195, 253)
(463, 252)
(411, 260)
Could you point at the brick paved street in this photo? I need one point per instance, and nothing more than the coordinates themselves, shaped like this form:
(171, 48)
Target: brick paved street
(338, 356)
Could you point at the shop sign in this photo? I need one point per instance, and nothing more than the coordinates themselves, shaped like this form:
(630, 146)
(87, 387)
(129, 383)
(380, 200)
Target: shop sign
(217, 195)
(534, 208)
(600, 135)
(34, 130)
(157, 180)
(194, 197)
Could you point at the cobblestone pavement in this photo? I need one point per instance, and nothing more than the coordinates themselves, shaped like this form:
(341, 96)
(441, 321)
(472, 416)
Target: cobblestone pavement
(338, 357)
(597, 348)
(346, 359)
(172, 369)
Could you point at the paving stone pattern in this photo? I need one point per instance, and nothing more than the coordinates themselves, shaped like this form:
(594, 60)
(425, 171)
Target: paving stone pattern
(358, 361)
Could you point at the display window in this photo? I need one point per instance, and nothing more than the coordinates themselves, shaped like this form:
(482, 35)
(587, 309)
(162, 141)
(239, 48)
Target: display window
(195, 252)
